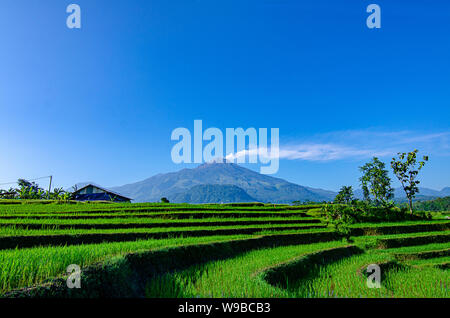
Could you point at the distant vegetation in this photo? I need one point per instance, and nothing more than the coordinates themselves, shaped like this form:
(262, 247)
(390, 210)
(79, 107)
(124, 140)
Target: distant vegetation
(31, 191)
(165, 200)
(307, 202)
(439, 204)
(378, 205)
(345, 195)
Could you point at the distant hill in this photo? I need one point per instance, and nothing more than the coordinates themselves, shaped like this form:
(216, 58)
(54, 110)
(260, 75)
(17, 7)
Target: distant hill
(212, 193)
(418, 198)
(423, 195)
(262, 188)
(446, 191)
(439, 204)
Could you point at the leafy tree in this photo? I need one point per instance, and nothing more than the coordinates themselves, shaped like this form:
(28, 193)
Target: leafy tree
(61, 195)
(57, 193)
(26, 184)
(29, 190)
(345, 195)
(376, 182)
(9, 194)
(165, 200)
(406, 168)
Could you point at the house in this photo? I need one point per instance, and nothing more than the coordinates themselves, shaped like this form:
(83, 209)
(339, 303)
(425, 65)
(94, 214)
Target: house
(93, 192)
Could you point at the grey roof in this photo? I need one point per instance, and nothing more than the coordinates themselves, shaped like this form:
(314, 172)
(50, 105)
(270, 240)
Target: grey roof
(104, 189)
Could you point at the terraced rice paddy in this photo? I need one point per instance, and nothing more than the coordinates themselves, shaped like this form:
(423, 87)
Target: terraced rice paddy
(168, 250)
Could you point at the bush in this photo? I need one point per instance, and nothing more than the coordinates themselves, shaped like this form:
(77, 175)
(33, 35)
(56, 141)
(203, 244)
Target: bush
(165, 200)
(359, 212)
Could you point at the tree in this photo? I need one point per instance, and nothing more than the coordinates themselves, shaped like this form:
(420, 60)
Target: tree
(376, 182)
(57, 193)
(165, 200)
(406, 168)
(345, 195)
(29, 190)
(9, 194)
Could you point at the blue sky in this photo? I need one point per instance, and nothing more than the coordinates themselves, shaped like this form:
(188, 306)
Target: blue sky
(100, 103)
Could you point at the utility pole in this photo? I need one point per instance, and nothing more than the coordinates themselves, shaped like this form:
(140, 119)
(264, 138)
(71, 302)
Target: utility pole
(50, 187)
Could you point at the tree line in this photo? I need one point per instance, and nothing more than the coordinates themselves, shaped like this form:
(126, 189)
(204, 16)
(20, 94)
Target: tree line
(376, 183)
(27, 190)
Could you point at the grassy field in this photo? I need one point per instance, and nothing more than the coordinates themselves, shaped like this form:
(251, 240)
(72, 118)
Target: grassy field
(210, 250)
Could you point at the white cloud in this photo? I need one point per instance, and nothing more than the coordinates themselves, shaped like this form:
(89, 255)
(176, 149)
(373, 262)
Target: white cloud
(355, 144)
(311, 152)
(326, 152)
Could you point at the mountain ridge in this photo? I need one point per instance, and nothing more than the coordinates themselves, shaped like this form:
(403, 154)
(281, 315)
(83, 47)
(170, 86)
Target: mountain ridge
(261, 187)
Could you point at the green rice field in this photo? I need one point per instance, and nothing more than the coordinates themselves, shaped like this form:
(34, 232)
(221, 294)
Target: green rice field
(211, 250)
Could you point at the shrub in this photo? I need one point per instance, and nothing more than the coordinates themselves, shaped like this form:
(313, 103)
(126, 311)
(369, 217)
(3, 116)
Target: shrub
(165, 200)
(359, 212)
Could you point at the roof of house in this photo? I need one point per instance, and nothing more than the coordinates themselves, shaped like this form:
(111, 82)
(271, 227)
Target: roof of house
(104, 189)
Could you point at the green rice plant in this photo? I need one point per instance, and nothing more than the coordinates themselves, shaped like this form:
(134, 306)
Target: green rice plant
(418, 248)
(236, 277)
(417, 239)
(26, 267)
(83, 207)
(155, 215)
(242, 277)
(53, 230)
(150, 222)
(232, 270)
(343, 279)
(429, 261)
(419, 282)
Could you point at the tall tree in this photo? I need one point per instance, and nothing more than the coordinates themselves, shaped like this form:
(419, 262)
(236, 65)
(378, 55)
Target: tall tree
(345, 195)
(406, 168)
(375, 182)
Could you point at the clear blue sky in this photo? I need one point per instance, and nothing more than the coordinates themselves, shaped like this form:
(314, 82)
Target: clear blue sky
(99, 104)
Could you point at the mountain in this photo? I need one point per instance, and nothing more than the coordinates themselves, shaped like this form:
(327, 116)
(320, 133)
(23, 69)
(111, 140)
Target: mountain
(259, 187)
(424, 194)
(445, 192)
(212, 193)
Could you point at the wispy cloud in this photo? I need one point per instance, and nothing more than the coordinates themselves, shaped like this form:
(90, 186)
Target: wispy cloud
(326, 152)
(355, 145)
(310, 152)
